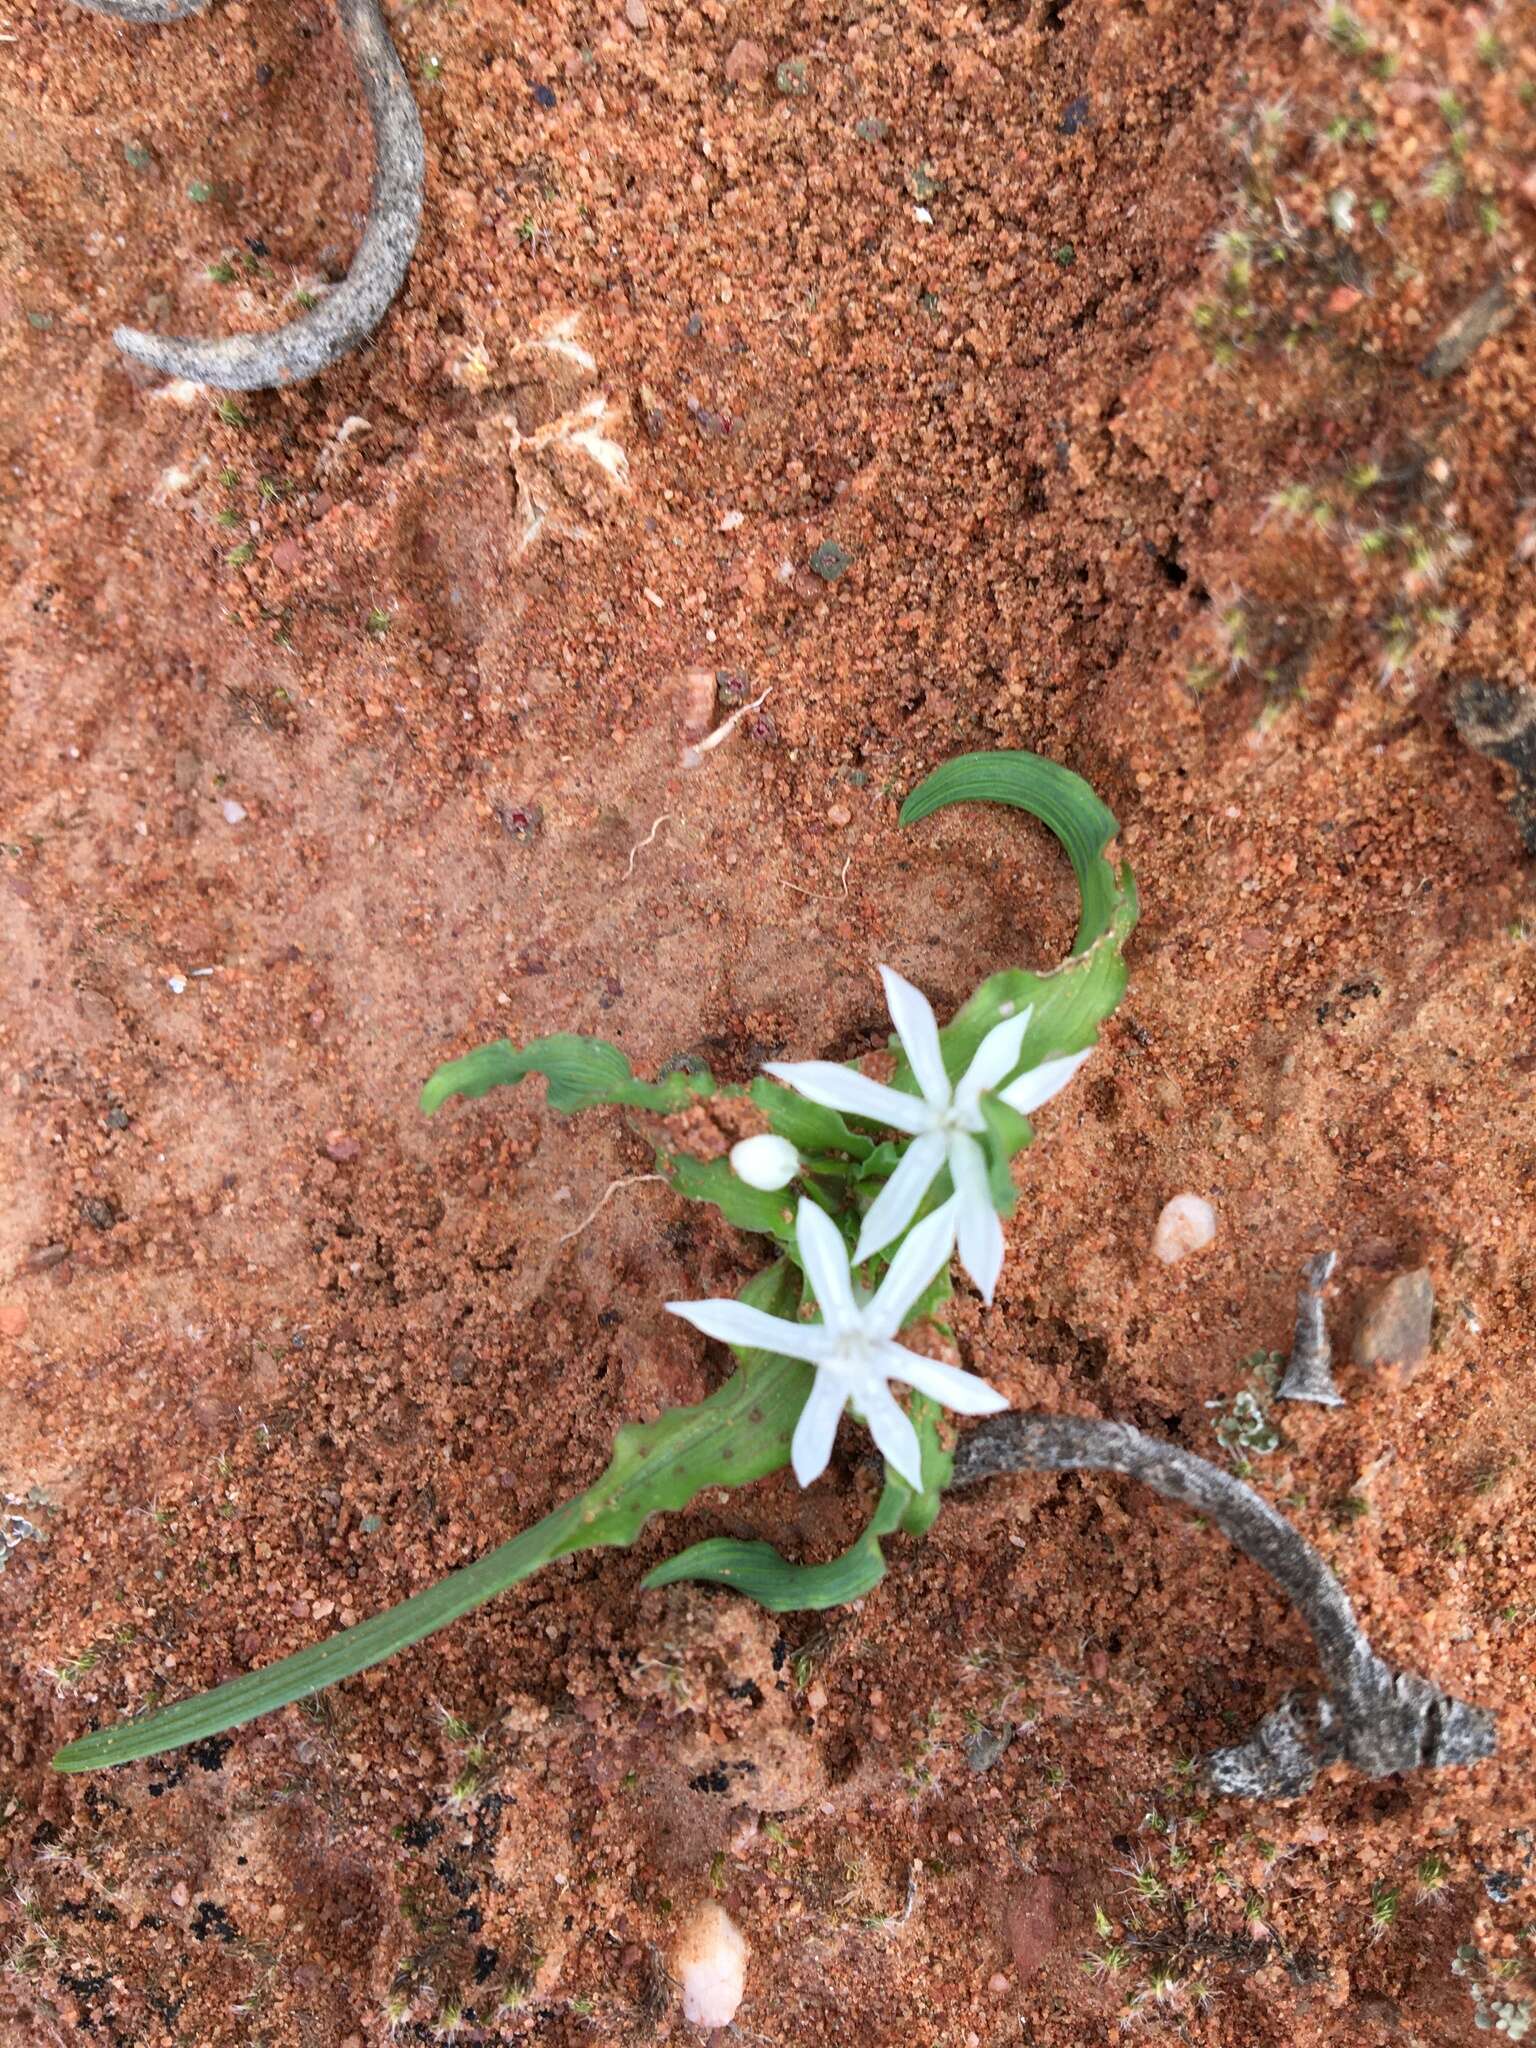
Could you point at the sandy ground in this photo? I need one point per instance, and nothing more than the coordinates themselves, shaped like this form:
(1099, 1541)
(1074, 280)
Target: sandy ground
(344, 728)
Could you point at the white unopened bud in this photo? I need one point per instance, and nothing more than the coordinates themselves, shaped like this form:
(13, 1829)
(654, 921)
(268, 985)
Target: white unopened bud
(765, 1162)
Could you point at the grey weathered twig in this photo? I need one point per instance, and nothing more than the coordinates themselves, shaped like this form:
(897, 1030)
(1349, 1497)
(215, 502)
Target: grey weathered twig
(1492, 309)
(1501, 723)
(258, 362)
(1309, 1374)
(147, 13)
(1371, 1716)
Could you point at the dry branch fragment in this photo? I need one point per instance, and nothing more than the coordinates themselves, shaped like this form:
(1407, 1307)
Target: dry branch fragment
(1371, 1716)
(148, 13)
(1309, 1374)
(318, 338)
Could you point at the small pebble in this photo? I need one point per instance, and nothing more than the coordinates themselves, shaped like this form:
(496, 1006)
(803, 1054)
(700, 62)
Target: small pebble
(839, 815)
(1075, 115)
(177, 984)
(829, 559)
(1398, 1326)
(637, 17)
(1187, 1224)
(747, 65)
(234, 814)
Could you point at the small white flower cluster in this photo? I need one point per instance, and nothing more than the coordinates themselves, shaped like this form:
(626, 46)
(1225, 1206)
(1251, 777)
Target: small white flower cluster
(853, 1347)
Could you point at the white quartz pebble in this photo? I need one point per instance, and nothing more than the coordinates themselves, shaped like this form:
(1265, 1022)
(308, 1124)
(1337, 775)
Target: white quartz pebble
(711, 1965)
(1187, 1224)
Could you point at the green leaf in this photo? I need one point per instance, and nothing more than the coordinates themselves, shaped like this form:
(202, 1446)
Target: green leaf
(1069, 1003)
(758, 1570)
(1006, 1135)
(882, 1162)
(771, 1211)
(740, 1433)
(1056, 796)
(808, 1127)
(582, 1072)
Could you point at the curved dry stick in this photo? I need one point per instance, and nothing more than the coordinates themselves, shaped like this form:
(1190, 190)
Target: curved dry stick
(1371, 1716)
(145, 13)
(258, 362)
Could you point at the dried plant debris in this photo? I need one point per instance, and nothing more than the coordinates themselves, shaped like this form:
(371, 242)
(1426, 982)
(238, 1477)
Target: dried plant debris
(1500, 721)
(1473, 325)
(1377, 1719)
(1309, 1374)
(345, 316)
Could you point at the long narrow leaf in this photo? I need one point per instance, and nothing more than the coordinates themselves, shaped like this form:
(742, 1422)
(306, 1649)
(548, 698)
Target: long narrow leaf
(741, 1433)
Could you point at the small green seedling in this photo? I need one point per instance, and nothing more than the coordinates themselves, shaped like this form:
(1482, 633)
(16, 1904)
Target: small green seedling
(1384, 1904)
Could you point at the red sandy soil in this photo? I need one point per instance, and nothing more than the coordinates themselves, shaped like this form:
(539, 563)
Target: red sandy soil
(276, 1352)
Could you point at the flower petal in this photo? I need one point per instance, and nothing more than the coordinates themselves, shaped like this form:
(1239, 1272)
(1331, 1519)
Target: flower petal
(1040, 1083)
(892, 1430)
(918, 1030)
(896, 1204)
(996, 1057)
(919, 1260)
(977, 1230)
(734, 1322)
(964, 1392)
(825, 1259)
(812, 1445)
(836, 1087)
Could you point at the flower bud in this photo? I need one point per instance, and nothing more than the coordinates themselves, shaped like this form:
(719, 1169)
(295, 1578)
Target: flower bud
(765, 1162)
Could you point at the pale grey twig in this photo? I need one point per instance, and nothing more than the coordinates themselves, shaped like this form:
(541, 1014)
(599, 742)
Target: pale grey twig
(145, 13)
(318, 338)
(1309, 1374)
(1371, 1716)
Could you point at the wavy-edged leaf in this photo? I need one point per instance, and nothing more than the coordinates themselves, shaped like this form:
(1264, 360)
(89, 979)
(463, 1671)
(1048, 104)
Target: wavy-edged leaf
(769, 1210)
(740, 1433)
(759, 1571)
(808, 1126)
(581, 1072)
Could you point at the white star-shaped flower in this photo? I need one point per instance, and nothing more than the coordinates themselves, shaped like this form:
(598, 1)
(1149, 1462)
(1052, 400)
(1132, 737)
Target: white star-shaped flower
(853, 1347)
(944, 1122)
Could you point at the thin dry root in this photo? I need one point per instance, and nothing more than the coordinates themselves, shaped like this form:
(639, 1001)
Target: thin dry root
(1371, 1716)
(259, 362)
(692, 756)
(628, 1180)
